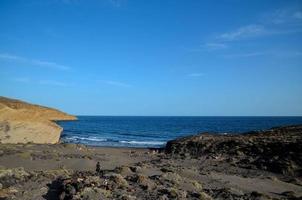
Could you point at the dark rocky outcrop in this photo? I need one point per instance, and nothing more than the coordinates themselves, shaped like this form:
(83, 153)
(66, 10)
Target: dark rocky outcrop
(88, 185)
(278, 150)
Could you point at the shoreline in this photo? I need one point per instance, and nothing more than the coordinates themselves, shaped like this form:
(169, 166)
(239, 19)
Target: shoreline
(194, 167)
(117, 147)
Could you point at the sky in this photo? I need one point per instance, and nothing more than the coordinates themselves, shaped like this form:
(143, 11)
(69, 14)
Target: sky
(159, 58)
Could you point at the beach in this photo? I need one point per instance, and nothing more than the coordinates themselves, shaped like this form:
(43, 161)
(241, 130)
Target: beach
(68, 171)
(36, 162)
(150, 100)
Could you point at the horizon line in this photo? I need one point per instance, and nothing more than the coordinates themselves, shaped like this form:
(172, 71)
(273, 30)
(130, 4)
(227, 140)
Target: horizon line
(188, 115)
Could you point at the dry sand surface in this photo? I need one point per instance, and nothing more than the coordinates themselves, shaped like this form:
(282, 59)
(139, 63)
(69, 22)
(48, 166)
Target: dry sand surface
(67, 171)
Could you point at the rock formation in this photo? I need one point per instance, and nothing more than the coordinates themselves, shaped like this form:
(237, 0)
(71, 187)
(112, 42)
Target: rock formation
(21, 122)
(278, 150)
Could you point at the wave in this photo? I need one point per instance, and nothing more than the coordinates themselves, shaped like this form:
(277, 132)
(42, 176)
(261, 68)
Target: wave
(94, 139)
(143, 142)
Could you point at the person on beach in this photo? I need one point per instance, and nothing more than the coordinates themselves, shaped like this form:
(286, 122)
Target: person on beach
(98, 168)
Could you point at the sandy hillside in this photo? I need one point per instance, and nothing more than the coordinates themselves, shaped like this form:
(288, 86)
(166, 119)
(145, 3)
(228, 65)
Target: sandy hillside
(22, 122)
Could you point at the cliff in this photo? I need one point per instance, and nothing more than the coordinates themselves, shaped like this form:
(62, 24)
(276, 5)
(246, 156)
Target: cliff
(22, 122)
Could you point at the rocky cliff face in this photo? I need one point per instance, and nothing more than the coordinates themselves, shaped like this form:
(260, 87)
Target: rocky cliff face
(278, 150)
(21, 122)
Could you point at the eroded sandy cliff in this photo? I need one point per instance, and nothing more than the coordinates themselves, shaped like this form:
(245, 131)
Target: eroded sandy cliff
(21, 122)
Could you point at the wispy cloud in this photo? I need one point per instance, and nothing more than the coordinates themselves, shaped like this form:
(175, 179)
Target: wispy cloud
(245, 55)
(281, 21)
(50, 64)
(215, 46)
(11, 57)
(210, 46)
(298, 53)
(116, 3)
(262, 53)
(298, 15)
(70, 1)
(35, 62)
(277, 22)
(116, 83)
(54, 83)
(195, 74)
(288, 16)
(288, 54)
(244, 32)
(21, 79)
(41, 82)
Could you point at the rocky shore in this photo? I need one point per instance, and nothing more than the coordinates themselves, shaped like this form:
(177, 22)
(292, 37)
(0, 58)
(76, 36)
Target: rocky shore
(256, 165)
(277, 150)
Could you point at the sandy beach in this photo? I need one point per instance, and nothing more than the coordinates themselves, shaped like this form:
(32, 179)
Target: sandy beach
(150, 100)
(263, 164)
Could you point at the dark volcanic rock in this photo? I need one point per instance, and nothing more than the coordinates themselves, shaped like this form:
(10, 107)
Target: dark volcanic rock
(278, 150)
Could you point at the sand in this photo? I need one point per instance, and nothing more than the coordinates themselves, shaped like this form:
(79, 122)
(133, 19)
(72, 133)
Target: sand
(33, 171)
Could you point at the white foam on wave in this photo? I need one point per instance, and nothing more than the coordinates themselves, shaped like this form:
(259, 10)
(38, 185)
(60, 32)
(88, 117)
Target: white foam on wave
(143, 142)
(94, 139)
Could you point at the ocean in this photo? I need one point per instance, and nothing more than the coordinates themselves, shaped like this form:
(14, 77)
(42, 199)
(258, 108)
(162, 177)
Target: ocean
(156, 131)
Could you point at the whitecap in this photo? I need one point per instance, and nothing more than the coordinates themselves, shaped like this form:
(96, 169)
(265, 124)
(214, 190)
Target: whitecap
(94, 139)
(143, 142)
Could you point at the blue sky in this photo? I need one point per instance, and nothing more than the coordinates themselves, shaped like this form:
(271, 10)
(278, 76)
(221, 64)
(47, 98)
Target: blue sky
(131, 57)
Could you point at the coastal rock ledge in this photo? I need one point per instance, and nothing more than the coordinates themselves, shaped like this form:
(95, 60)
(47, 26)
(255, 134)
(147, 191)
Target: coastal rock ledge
(21, 122)
(277, 150)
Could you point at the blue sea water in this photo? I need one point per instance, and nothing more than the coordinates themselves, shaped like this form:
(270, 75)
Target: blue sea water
(156, 131)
